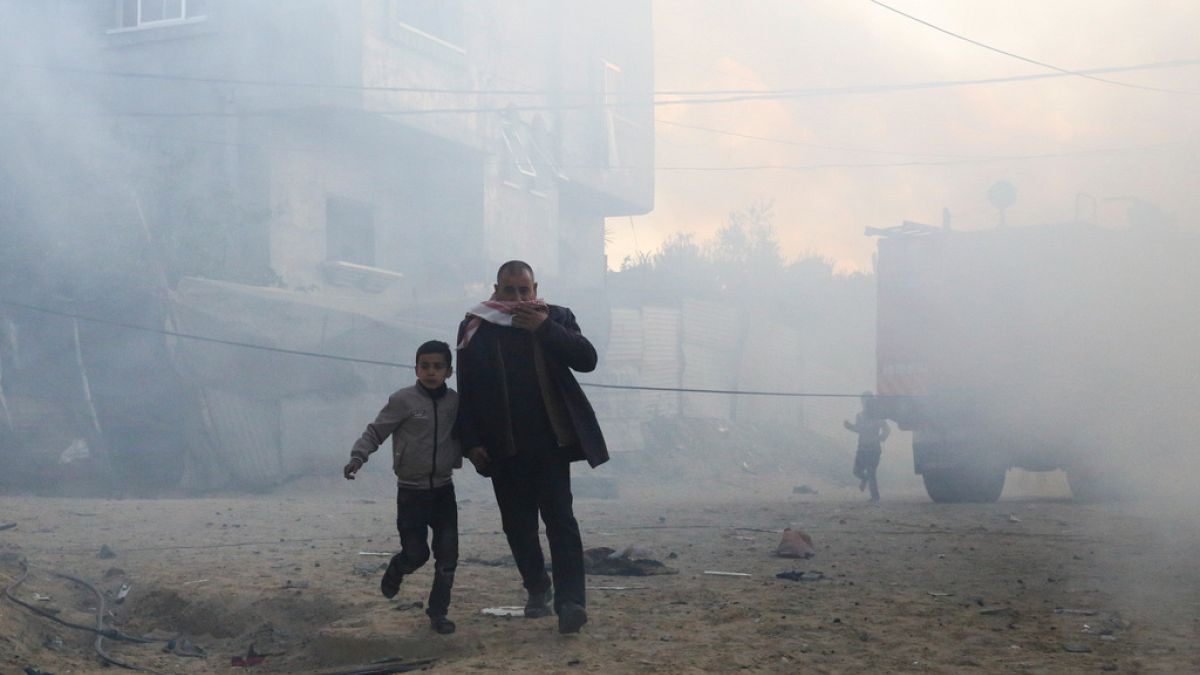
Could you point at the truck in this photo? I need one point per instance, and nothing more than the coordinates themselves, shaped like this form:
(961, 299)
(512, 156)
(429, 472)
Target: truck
(1063, 346)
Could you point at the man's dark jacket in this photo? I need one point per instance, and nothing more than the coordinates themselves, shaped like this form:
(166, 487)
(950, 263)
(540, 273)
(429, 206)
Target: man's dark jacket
(483, 394)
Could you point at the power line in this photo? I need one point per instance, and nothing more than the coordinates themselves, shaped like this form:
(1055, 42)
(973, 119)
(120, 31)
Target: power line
(754, 95)
(964, 161)
(1026, 59)
(766, 94)
(807, 144)
(738, 392)
(199, 338)
(390, 364)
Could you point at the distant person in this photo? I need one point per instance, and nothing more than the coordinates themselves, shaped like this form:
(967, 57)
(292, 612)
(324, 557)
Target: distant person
(872, 432)
(531, 420)
(420, 419)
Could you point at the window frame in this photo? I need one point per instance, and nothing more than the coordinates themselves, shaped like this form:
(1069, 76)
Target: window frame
(140, 24)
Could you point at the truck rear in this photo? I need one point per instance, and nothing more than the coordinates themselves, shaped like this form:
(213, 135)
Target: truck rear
(1058, 346)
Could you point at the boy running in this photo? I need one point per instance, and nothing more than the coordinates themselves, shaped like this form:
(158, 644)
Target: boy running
(420, 419)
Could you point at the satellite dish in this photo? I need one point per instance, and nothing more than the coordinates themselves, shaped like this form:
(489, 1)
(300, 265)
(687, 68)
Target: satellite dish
(1002, 194)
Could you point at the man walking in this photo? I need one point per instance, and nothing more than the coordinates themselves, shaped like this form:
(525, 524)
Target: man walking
(524, 419)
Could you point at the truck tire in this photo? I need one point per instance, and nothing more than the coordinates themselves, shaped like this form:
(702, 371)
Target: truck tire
(952, 486)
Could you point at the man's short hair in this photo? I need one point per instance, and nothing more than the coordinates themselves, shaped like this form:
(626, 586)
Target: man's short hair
(513, 266)
(436, 347)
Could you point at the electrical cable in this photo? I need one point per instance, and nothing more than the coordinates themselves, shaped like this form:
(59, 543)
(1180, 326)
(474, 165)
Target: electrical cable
(297, 352)
(1026, 59)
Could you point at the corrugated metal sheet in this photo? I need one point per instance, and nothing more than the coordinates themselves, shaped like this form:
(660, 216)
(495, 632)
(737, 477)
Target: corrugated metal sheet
(660, 360)
(711, 356)
(625, 337)
(248, 436)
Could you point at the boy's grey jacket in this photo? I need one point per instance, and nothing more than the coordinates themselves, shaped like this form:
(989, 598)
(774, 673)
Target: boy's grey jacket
(424, 447)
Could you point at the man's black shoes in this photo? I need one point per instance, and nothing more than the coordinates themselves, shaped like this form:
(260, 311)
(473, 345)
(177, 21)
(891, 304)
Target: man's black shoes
(390, 584)
(538, 604)
(441, 625)
(571, 618)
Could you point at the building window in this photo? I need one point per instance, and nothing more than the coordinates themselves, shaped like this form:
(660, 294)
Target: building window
(138, 13)
(440, 20)
(349, 231)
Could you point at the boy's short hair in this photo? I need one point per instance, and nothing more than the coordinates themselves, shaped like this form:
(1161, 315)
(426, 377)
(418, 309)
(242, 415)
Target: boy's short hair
(436, 347)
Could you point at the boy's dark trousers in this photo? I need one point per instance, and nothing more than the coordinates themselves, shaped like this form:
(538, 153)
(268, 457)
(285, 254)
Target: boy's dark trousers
(538, 479)
(866, 464)
(416, 512)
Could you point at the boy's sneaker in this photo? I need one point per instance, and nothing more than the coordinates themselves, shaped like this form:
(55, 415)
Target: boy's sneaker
(390, 584)
(571, 618)
(442, 625)
(538, 604)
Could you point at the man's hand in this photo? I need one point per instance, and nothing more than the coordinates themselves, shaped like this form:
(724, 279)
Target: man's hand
(352, 468)
(530, 316)
(479, 457)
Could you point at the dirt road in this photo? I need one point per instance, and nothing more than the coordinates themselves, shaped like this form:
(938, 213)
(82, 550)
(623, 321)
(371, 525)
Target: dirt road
(1028, 584)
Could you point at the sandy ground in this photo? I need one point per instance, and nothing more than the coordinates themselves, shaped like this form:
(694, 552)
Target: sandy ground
(1031, 584)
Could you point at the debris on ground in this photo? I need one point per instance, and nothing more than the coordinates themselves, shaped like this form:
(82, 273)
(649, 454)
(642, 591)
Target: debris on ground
(631, 562)
(123, 593)
(502, 561)
(718, 573)
(295, 584)
(106, 552)
(182, 646)
(7, 526)
(114, 572)
(503, 611)
(366, 569)
(405, 606)
(1075, 612)
(795, 544)
(803, 490)
(1076, 649)
(799, 575)
(252, 658)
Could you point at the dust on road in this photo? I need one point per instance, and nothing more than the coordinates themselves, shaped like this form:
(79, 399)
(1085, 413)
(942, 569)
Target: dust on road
(1027, 584)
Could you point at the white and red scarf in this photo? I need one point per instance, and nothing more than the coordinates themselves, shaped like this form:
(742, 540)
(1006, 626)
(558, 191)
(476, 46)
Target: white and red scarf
(499, 312)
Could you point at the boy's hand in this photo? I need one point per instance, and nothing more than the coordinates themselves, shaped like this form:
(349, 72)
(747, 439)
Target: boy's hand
(479, 457)
(352, 468)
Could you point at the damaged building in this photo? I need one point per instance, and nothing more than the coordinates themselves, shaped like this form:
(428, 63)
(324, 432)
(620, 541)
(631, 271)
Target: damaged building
(334, 178)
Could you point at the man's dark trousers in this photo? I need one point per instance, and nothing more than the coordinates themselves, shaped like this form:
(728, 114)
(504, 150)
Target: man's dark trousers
(538, 479)
(418, 511)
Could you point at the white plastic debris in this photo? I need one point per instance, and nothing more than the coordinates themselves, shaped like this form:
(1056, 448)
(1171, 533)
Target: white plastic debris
(504, 611)
(716, 573)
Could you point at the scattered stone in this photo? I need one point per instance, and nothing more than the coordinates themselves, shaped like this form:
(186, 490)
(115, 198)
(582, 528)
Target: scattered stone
(7, 526)
(295, 584)
(803, 490)
(182, 646)
(106, 552)
(999, 611)
(114, 572)
(53, 643)
(1076, 648)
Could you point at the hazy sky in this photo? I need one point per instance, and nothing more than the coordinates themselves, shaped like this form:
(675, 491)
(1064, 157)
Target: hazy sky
(776, 44)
